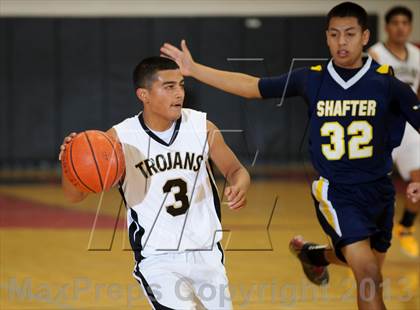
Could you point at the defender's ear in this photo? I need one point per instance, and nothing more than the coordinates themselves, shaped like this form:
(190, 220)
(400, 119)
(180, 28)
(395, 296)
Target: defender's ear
(365, 37)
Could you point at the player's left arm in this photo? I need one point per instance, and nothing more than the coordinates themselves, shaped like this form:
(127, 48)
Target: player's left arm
(407, 101)
(113, 133)
(231, 168)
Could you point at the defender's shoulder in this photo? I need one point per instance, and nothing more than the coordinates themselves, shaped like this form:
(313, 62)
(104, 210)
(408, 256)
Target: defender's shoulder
(316, 68)
(385, 70)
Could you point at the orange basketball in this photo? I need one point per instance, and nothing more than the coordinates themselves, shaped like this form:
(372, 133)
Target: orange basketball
(93, 161)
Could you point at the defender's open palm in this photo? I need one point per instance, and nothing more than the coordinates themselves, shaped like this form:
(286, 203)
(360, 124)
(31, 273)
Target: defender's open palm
(181, 56)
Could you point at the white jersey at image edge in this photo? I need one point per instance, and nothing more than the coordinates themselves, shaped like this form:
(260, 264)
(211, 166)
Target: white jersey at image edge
(407, 155)
(170, 193)
(408, 70)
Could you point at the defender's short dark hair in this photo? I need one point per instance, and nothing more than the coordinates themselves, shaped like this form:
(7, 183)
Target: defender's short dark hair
(349, 9)
(398, 10)
(145, 71)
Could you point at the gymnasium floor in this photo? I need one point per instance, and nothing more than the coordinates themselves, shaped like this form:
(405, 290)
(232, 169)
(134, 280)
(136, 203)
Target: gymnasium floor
(50, 259)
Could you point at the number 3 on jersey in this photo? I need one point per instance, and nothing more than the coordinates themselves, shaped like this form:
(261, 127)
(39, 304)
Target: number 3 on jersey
(361, 132)
(182, 203)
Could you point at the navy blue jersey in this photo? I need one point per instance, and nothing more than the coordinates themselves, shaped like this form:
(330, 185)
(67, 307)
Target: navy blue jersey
(354, 124)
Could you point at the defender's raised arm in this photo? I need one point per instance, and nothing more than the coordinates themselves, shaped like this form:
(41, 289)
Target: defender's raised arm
(240, 84)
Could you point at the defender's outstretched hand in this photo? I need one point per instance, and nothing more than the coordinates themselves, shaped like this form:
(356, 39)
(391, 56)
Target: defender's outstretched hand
(181, 56)
(240, 84)
(413, 191)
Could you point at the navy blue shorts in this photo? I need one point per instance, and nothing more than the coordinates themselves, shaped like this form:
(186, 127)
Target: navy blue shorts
(353, 212)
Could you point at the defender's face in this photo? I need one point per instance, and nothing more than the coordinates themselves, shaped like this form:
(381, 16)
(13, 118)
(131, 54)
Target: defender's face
(346, 39)
(399, 29)
(166, 95)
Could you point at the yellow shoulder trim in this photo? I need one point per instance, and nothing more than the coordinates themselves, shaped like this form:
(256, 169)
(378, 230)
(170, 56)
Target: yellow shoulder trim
(316, 68)
(385, 69)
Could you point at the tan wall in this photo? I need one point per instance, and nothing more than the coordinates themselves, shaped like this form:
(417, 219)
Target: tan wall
(195, 8)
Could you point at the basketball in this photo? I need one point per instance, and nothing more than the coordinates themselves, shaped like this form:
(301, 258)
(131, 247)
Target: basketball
(93, 161)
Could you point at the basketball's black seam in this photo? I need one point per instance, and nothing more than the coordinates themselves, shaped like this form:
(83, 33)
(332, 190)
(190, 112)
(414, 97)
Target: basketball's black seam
(74, 169)
(115, 152)
(94, 159)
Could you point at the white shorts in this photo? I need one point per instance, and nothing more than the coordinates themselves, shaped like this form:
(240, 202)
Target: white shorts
(407, 155)
(185, 280)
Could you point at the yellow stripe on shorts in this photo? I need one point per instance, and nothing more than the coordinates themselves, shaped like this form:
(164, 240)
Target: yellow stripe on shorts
(320, 190)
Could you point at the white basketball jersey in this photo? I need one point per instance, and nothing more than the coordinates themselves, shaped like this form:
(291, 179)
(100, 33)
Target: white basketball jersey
(169, 191)
(406, 156)
(407, 70)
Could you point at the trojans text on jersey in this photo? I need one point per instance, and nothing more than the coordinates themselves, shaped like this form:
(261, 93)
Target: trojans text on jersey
(168, 161)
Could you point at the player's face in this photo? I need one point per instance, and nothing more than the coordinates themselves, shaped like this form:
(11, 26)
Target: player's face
(399, 29)
(346, 39)
(166, 95)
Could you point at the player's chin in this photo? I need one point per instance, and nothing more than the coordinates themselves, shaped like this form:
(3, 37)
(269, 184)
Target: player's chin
(401, 39)
(175, 112)
(343, 61)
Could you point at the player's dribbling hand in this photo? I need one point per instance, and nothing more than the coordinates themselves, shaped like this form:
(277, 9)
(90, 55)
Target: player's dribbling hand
(236, 197)
(413, 192)
(65, 142)
(181, 56)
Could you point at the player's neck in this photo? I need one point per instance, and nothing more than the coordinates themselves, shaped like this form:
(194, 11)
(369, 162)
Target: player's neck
(396, 48)
(156, 123)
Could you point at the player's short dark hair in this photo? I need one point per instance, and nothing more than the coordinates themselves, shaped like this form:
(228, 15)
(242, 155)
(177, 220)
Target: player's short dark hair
(398, 10)
(349, 9)
(145, 72)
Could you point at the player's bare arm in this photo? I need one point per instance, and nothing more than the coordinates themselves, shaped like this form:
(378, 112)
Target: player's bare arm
(232, 82)
(231, 168)
(72, 193)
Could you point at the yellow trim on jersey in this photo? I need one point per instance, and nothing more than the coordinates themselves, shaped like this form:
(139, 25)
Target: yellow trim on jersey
(325, 205)
(385, 69)
(316, 68)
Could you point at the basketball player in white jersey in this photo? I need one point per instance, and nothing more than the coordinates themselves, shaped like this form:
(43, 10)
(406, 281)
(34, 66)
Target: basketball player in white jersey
(404, 58)
(173, 209)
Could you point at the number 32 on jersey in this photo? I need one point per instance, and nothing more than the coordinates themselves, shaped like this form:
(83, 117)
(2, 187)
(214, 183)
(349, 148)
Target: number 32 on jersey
(361, 133)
